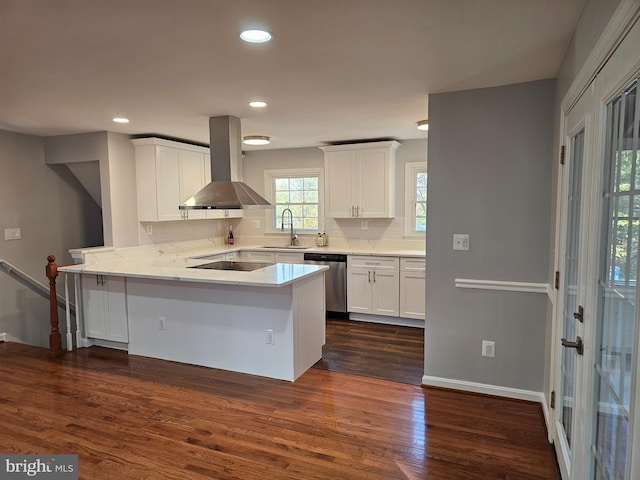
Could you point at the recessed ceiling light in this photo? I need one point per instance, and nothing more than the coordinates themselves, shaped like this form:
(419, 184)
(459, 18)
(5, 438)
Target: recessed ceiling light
(255, 36)
(121, 120)
(256, 140)
(258, 104)
(423, 125)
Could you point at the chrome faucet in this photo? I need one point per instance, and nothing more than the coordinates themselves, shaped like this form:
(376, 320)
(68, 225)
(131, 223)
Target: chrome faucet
(294, 238)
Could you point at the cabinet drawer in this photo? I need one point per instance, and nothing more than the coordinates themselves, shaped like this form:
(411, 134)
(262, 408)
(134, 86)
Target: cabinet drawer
(366, 261)
(412, 264)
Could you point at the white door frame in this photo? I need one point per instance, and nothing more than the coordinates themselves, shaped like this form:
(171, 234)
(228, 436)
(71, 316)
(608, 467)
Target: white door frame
(620, 24)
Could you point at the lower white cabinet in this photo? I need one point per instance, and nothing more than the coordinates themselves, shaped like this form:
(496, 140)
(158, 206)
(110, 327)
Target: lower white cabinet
(289, 257)
(260, 257)
(373, 285)
(412, 288)
(271, 257)
(105, 307)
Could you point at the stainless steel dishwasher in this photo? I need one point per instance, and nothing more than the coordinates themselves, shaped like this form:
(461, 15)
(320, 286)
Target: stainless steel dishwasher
(335, 279)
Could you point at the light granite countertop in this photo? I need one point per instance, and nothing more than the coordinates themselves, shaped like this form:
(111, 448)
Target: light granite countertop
(171, 261)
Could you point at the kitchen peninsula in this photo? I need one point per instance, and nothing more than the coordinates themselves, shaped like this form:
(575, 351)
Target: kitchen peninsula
(268, 322)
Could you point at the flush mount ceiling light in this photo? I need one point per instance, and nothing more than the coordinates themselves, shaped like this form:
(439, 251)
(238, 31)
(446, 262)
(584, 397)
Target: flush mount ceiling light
(258, 104)
(256, 140)
(255, 36)
(423, 125)
(120, 120)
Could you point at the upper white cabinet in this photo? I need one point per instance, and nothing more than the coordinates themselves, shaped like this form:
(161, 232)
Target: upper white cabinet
(167, 174)
(360, 180)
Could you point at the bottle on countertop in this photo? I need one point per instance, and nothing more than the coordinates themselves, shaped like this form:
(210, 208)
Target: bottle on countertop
(322, 240)
(230, 239)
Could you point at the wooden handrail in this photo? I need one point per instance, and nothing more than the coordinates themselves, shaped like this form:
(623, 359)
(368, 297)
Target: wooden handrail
(55, 339)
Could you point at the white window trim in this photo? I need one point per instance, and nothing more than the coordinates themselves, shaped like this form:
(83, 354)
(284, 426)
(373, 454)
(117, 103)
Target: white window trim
(410, 171)
(270, 175)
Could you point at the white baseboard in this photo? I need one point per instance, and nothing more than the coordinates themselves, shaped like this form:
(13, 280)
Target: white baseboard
(401, 321)
(3, 337)
(484, 388)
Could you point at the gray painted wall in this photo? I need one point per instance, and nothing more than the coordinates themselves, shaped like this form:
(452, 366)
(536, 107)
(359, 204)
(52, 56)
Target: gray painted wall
(55, 214)
(490, 154)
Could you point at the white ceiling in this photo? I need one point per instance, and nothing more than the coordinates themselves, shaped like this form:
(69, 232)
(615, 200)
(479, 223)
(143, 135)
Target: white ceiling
(336, 70)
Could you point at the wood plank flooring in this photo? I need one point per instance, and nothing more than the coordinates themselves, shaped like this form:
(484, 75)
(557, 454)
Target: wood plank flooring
(374, 350)
(130, 417)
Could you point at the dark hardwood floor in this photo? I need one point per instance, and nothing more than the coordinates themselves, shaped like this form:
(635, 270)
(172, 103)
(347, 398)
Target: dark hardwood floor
(374, 350)
(131, 417)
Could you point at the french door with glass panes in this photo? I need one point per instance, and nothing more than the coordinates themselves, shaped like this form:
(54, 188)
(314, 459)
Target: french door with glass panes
(596, 338)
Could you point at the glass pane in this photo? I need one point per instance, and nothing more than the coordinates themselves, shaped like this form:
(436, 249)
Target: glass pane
(282, 184)
(311, 196)
(570, 284)
(295, 196)
(282, 197)
(296, 183)
(615, 321)
(311, 183)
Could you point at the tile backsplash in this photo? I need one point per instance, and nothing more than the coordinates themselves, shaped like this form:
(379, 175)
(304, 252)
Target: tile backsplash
(250, 230)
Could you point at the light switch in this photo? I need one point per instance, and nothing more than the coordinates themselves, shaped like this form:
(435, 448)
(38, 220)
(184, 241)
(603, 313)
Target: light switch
(12, 234)
(460, 241)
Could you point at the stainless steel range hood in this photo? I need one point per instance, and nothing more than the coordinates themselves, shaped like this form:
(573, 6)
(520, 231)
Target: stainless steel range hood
(224, 191)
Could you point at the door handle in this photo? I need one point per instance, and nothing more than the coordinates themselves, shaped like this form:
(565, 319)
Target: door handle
(369, 275)
(579, 315)
(578, 345)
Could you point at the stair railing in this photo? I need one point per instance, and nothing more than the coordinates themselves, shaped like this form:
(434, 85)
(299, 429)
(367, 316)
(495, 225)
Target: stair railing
(48, 292)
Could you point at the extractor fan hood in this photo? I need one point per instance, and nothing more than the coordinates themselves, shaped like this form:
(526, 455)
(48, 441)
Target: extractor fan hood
(224, 192)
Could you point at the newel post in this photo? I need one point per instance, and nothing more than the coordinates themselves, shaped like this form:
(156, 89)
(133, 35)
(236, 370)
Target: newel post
(55, 339)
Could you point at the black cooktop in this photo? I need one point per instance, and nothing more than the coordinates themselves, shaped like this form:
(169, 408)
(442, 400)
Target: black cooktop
(240, 266)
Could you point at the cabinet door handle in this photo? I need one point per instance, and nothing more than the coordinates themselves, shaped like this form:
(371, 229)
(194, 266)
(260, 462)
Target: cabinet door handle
(357, 210)
(369, 275)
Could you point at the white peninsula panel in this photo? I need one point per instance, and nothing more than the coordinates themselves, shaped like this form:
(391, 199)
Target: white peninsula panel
(225, 326)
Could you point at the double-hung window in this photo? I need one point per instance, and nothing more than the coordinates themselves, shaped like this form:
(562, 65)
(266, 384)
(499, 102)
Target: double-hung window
(416, 198)
(299, 190)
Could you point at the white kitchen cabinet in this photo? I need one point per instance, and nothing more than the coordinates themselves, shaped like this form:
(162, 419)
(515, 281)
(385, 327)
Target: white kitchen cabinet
(289, 257)
(412, 288)
(105, 307)
(260, 257)
(360, 180)
(373, 285)
(167, 174)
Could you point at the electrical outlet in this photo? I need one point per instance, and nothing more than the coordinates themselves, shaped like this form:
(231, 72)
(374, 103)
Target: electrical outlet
(162, 323)
(270, 337)
(365, 225)
(149, 229)
(256, 224)
(488, 349)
